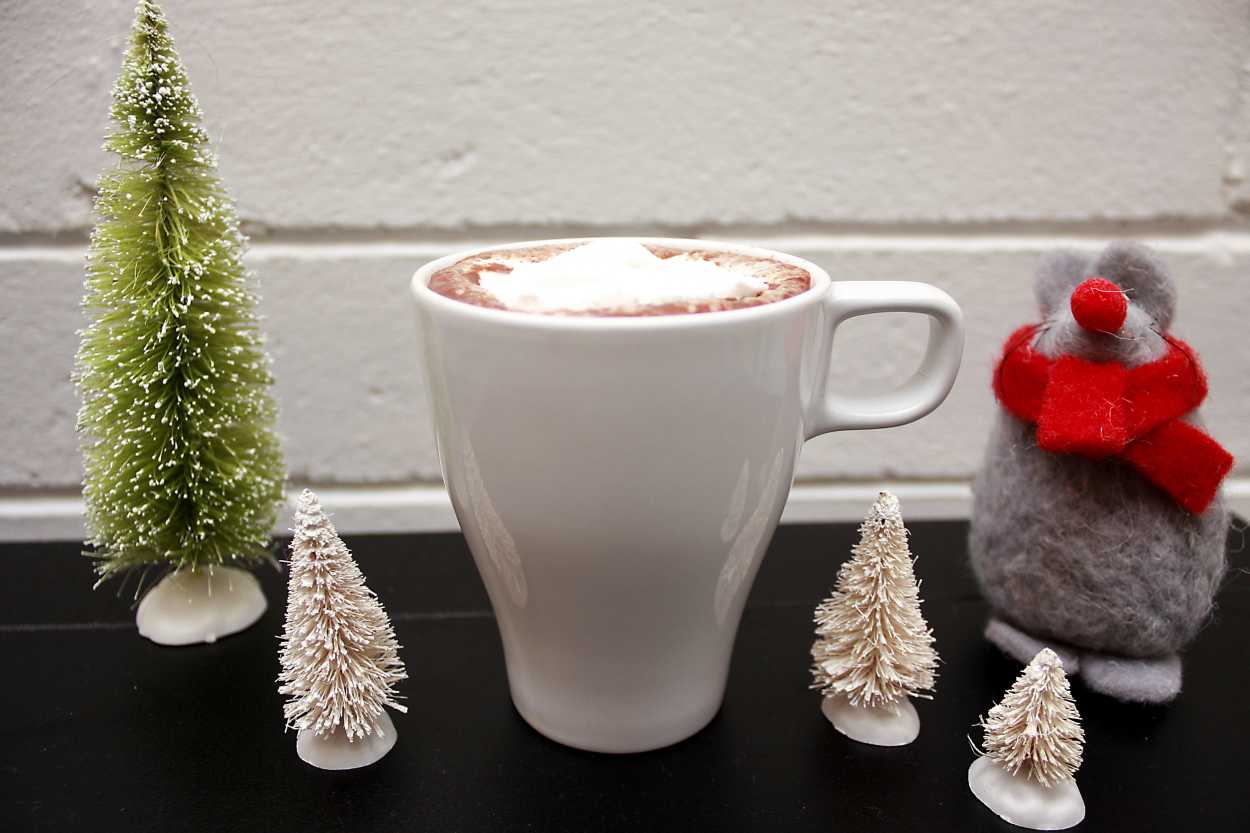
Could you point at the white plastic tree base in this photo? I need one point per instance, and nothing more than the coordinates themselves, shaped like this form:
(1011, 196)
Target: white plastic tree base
(1024, 802)
(337, 752)
(896, 724)
(189, 607)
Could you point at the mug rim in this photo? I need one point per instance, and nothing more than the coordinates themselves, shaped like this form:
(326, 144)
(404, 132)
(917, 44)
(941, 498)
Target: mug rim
(422, 294)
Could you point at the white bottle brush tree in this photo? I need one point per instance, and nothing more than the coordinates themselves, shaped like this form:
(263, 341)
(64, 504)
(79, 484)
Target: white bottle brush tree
(340, 658)
(1032, 749)
(873, 649)
(182, 469)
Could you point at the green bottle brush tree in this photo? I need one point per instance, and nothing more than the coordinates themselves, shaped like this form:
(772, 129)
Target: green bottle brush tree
(183, 470)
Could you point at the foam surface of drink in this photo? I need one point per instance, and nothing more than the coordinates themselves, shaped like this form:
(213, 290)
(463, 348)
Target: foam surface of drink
(616, 274)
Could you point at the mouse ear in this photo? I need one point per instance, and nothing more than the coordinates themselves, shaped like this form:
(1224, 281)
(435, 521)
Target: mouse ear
(1144, 278)
(1057, 275)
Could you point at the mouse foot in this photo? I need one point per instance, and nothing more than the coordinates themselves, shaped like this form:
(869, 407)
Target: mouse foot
(1133, 680)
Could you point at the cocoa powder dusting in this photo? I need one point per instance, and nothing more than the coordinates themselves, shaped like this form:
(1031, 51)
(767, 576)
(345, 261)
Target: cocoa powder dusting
(460, 281)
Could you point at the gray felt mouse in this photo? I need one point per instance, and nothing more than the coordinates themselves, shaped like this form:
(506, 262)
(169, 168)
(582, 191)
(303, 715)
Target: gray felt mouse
(1097, 528)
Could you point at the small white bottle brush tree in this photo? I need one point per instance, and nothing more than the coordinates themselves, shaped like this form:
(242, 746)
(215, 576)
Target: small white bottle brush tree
(340, 658)
(1033, 744)
(874, 650)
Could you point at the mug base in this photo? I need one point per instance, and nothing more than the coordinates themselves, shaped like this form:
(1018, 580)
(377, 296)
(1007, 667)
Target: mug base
(622, 742)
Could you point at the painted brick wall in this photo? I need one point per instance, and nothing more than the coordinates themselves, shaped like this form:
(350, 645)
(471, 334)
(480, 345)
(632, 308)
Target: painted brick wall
(943, 141)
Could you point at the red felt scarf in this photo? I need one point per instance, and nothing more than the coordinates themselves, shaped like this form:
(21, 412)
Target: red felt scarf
(1105, 410)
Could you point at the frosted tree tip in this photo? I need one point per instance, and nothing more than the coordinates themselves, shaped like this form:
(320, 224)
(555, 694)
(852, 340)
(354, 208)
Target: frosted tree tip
(1046, 659)
(886, 508)
(308, 502)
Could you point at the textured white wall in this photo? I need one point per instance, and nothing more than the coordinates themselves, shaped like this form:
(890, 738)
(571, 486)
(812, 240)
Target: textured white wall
(942, 141)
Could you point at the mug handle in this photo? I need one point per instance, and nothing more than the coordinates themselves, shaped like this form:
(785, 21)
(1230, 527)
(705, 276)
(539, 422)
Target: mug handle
(927, 387)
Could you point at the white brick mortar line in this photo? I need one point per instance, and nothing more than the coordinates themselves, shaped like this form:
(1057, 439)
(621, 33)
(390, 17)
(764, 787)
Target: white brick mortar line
(1215, 241)
(426, 507)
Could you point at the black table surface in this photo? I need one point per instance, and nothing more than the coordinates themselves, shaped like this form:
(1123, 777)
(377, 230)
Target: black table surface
(101, 730)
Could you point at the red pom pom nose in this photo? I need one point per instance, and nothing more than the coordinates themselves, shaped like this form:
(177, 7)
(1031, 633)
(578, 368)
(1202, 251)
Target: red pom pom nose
(1099, 305)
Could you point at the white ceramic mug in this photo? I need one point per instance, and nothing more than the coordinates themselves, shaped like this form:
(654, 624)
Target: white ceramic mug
(619, 478)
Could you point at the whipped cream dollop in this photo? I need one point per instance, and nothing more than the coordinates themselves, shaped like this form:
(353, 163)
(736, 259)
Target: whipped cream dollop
(615, 274)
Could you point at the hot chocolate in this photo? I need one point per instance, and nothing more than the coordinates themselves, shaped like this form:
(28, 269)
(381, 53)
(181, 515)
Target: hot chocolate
(612, 277)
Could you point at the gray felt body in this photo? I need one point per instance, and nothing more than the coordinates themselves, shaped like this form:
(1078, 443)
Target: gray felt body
(1087, 552)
